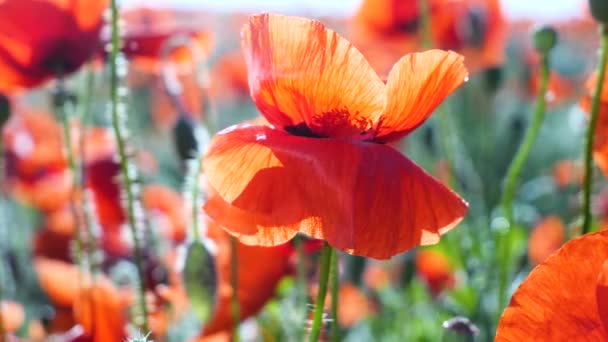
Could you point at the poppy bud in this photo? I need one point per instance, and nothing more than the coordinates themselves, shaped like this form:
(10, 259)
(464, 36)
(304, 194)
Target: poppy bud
(545, 39)
(200, 280)
(599, 10)
(184, 136)
(5, 110)
(459, 329)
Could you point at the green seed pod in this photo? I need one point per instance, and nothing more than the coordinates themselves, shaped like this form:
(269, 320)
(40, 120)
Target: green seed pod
(200, 280)
(599, 10)
(545, 38)
(5, 110)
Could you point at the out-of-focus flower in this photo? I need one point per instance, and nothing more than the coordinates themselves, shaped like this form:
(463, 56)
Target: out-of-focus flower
(563, 299)
(353, 305)
(165, 208)
(546, 237)
(42, 39)
(12, 314)
(259, 271)
(148, 31)
(435, 270)
(94, 302)
(567, 172)
(229, 77)
(600, 141)
(474, 28)
(324, 167)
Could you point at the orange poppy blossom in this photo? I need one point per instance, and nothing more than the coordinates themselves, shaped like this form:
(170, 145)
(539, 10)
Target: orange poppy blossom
(600, 141)
(98, 307)
(229, 77)
(567, 172)
(323, 165)
(546, 237)
(31, 54)
(563, 299)
(435, 269)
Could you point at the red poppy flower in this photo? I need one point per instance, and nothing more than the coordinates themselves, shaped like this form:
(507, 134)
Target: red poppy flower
(435, 269)
(323, 167)
(229, 76)
(600, 141)
(567, 172)
(259, 271)
(98, 307)
(41, 39)
(475, 28)
(149, 30)
(546, 237)
(563, 299)
(166, 209)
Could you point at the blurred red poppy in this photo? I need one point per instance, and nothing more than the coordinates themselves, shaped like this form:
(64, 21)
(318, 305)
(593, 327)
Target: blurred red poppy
(98, 307)
(165, 208)
(259, 271)
(546, 237)
(474, 28)
(435, 269)
(148, 31)
(323, 166)
(32, 53)
(600, 141)
(12, 315)
(563, 299)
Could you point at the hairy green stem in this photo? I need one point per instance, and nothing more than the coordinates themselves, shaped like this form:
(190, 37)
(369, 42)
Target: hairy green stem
(124, 166)
(595, 108)
(512, 179)
(234, 283)
(334, 280)
(317, 323)
(61, 103)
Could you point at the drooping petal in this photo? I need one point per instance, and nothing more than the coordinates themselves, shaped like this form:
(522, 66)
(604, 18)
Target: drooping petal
(601, 294)
(363, 198)
(558, 302)
(305, 77)
(416, 85)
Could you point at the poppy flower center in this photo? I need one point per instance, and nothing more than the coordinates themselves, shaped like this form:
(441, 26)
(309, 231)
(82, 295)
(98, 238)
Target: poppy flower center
(337, 123)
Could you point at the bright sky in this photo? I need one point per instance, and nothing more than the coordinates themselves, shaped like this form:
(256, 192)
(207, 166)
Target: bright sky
(516, 9)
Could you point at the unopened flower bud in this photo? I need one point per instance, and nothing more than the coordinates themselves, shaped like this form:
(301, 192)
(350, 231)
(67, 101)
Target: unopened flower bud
(545, 39)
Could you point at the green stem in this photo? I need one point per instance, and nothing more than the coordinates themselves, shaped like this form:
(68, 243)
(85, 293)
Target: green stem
(334, 280)
(425, 21)
(125, 167)
(234, 283)
(195, 196)
(61, 107)
(326, 256)
(595, 108)
(88, 214)
(512, 179)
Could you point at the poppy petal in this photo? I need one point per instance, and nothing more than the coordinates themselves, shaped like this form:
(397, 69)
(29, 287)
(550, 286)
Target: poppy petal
(557, 302)
(363, 198)
(416, 85)
(303, 76)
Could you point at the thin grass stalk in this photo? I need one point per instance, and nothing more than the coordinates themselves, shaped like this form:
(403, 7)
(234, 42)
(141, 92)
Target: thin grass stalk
(589, 138)
(140, 322)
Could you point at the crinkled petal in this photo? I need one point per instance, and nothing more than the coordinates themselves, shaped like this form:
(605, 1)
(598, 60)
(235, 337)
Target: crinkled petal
(363, 198)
